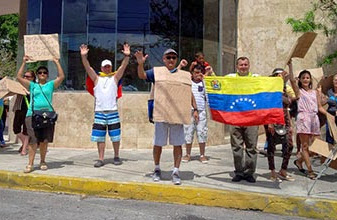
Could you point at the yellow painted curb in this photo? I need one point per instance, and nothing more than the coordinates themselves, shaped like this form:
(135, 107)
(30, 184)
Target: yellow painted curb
(284, 205)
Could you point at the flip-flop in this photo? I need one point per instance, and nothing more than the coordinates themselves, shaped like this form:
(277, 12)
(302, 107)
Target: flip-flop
(298, 167)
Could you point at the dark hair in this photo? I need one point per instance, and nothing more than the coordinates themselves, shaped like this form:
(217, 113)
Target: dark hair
(241, 58)
(198, 54)
(199, 67)
(42, 68)
(299, 77)
(32, 73)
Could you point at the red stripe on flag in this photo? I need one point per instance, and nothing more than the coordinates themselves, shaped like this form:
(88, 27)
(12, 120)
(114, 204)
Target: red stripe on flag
(249, 118)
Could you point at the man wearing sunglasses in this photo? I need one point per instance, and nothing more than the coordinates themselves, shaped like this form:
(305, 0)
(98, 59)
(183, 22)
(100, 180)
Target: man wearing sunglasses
(106, 113)
(172, 107)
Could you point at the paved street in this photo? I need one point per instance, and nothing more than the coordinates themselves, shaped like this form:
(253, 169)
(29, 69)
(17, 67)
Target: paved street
(35, 205)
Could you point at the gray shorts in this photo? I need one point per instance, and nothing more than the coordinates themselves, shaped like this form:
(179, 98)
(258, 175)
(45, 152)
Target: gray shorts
(200, 127)
(163, 130)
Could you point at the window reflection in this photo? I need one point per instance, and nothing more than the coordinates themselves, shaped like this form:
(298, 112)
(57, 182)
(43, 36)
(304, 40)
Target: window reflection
(33, 17)
(51, 17)
(188, 26)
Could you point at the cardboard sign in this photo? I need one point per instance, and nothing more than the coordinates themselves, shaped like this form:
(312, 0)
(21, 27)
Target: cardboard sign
(302, 45)
(326, 84)
(42, 47)
(10, 87)
(323, 148)
(317, 76)
(172, 96)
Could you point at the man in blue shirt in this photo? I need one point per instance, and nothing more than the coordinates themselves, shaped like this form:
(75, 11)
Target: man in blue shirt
(163, 129)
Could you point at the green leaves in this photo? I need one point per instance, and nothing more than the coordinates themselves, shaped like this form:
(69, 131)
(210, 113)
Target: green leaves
(9, 33)
(322, 17)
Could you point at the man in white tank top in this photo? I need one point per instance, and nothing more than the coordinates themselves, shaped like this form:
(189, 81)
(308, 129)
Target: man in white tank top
(105, 92)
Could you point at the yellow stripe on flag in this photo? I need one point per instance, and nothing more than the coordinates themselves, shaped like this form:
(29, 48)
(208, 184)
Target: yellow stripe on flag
(242, 85)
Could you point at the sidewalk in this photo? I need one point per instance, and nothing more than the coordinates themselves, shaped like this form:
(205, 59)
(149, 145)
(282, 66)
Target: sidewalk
(72, 171)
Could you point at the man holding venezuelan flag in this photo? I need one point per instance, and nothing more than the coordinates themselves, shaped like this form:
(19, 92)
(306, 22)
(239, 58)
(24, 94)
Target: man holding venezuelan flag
(245, 101)
(106, 111)
(244, 135)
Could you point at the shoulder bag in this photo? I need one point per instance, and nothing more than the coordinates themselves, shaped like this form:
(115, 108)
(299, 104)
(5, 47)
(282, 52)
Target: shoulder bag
(43, 118)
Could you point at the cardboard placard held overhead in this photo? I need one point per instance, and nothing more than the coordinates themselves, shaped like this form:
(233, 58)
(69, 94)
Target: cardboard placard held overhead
(302, 45)
(10, 87)
(42, 47)
(317, 75)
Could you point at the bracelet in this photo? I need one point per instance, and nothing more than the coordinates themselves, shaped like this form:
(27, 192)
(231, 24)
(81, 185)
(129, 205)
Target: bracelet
(195, 110)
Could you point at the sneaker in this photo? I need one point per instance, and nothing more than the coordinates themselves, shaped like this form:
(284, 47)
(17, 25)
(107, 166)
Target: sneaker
(3, 144)
(237, 178)
(203, 159)
(99, 163)
(186, 158)
(156, 175)
(176, 179)
(250, 179)
(117, 161)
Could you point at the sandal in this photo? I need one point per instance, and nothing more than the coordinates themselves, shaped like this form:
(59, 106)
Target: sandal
(275, 179)
(43, 166)
(20, 149)
(28, 169)
(312, 175)
(23, 153)
(287, 177)
(298, 167)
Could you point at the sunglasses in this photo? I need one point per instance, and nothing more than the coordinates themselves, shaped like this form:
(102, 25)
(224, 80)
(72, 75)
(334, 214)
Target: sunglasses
(42, 72)
(171, 57)
(26, 76)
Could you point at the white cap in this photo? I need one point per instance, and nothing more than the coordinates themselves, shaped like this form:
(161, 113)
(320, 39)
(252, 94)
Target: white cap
(170, 51)
(106, 62)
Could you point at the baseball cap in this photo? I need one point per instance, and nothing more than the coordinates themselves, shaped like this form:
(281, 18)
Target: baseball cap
(276, 71)
(170, 51)
(106, 62)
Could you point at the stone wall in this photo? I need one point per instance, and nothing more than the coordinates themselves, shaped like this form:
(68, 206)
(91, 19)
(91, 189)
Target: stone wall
(266, 39)
(76, 112)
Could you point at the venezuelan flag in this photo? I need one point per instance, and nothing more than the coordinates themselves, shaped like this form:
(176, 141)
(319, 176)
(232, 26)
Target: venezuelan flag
(245, 101)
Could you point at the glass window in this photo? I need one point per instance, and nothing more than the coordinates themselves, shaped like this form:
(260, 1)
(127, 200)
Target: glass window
(133, 27)
(191, 29)
(75, 16)
(74, 34)
(188, 26)
(101, 31)
(51, 17)
(33, 20)
(164, 25)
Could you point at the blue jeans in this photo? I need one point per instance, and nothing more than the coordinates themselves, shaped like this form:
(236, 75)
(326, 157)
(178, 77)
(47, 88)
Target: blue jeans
(2, 127)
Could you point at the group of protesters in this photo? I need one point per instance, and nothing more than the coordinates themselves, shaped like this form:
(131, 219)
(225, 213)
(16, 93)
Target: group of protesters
(183, 85)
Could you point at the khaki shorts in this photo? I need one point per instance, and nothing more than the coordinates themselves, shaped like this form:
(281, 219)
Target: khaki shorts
(39, 135)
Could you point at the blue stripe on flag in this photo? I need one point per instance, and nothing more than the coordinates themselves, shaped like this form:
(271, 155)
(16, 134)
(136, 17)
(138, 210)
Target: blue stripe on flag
(240, 103)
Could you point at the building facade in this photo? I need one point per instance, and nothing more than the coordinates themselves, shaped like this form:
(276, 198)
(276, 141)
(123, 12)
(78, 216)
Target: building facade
(188, 26)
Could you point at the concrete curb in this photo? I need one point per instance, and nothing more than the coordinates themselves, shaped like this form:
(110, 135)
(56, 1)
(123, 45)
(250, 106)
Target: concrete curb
(284, 205)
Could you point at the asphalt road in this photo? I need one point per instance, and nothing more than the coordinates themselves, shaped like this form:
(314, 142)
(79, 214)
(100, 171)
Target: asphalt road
(15, 204)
